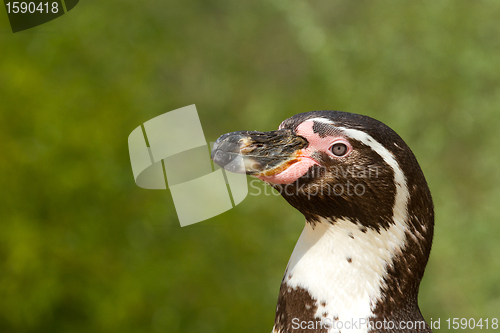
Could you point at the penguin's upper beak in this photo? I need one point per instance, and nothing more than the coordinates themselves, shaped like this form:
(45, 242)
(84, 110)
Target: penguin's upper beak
(264, 154)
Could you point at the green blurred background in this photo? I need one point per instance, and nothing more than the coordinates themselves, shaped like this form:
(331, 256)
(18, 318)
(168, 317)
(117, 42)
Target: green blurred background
(83, 249)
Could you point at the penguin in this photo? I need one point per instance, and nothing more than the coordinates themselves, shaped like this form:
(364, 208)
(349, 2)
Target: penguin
(369, 220)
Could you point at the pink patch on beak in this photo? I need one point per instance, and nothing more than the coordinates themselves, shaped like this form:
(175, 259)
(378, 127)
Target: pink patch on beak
(292, 173)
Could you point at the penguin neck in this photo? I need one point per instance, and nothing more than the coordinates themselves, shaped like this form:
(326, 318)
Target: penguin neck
(338, 271)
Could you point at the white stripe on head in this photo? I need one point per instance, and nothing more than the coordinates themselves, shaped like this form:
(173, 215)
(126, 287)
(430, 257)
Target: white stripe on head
(400, 209)
(349, 289)
(322, 120)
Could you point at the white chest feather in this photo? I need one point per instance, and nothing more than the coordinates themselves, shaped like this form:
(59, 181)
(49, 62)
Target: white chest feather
(343, 268)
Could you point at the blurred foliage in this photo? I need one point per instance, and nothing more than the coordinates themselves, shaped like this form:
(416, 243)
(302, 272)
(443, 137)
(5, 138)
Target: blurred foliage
(83, 249)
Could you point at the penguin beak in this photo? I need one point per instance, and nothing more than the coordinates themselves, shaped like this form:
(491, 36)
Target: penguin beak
(264, 154)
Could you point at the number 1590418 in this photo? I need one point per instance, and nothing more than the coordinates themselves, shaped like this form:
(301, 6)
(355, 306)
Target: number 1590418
(471, 323)
(31, 7)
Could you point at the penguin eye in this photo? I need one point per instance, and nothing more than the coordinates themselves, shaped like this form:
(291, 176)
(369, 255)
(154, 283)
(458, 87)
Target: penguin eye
(339, 149)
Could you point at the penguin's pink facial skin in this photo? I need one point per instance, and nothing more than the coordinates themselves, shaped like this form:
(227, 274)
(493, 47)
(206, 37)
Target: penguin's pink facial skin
(319, 144)
(297, 169)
